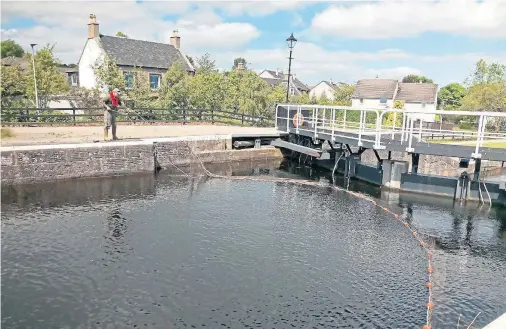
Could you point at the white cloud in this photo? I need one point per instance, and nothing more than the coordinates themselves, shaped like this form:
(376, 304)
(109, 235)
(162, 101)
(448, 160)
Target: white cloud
(388, 19)
(200, 29)
(256, 8)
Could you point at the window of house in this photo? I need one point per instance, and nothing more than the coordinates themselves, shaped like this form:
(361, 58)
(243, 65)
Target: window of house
(74, 80)
(154, 80)
(129, 79)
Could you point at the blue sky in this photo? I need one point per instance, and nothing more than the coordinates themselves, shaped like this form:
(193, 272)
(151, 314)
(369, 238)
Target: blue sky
(342, 41)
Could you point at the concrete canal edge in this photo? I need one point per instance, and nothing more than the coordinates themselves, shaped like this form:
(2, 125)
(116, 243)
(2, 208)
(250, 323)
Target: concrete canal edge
(42, 163)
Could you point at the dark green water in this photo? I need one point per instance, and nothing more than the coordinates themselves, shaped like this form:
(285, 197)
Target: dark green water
(168, 252)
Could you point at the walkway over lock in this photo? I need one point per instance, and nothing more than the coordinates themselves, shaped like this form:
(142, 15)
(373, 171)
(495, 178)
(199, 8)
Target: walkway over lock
(404, 131)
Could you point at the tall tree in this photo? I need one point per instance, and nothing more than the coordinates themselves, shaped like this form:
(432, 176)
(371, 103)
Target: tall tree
(486, 88)
(175, 91)
(451, 96)
(414, 78)
(121, 34)
(50, 81)
(11, 48)
(342, 95)
(239, 60)
(205, 63)
(108, 74)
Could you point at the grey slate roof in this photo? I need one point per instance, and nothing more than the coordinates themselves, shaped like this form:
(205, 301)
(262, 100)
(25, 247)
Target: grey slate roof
(375, 88)
(146, 54)
(417, 92)
(272, 82)
(299, 84)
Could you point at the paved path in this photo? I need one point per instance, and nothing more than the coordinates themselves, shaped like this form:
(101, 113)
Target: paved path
(61, 135)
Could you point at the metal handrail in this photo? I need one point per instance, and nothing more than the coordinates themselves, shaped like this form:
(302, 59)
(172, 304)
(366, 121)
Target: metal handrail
(321, 115)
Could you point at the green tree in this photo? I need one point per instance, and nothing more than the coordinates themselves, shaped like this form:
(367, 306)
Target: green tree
(175, 92)
(277, 95)
(121, 34)
(342, 95)
(50, 81)
(388, 119)
(140, 91)
(207, 89)
(451, 96)
(11, 48)
(414, 78)
(486, 88)
(108, 74)
(248, 93)
(12, 92)
(205, 63)
(239, 60)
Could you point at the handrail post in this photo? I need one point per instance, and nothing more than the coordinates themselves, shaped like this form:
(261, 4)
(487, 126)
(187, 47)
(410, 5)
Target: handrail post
(333, 123)
(74, 115)
(315, 116)
(344, 119)
(476, 153)
(410, 137)
(212, 116)
(360, 127)
(393, 125)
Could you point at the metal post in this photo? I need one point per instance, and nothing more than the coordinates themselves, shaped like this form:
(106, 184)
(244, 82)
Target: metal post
(477, 168)
(34, 75)
(289, 71)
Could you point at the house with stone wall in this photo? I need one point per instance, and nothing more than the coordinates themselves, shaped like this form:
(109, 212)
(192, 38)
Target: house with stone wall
(153, 58)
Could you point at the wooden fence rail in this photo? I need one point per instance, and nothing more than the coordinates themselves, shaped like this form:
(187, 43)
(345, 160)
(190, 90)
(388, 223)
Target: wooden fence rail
(87, 116)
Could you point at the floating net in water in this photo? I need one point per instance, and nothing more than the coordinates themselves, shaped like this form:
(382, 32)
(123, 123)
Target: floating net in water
(426, 242)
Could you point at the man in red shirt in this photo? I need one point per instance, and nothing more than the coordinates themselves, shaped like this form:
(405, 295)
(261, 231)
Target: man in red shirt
(111, 102)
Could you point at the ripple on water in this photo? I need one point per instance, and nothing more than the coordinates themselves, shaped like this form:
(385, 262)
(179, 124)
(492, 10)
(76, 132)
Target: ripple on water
(231, 254)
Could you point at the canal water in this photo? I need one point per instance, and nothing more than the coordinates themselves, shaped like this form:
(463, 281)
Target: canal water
(179, 252)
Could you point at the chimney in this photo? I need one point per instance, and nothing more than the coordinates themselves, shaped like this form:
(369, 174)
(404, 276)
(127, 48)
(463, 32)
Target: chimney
(331, 81)
(175, 39)
(277, 72)
(93, 27)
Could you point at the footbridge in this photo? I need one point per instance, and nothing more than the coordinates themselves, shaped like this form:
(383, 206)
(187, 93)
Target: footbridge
(336, 136)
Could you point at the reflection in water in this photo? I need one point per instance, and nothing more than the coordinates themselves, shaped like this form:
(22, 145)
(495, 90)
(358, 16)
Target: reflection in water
(158, 252)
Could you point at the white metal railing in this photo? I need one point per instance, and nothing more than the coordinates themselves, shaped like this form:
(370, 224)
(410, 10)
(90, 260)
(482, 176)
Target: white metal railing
(369, 124)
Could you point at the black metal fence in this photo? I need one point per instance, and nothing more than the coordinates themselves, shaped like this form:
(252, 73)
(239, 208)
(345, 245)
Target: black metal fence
(93, 116)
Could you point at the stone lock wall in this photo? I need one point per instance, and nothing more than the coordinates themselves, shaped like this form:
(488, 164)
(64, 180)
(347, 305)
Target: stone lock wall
(33, 164)
(428, 164)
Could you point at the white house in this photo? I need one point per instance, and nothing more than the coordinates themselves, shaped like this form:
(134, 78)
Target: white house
(326, 88)
(276, 77)
(152, 57)
(376, 93)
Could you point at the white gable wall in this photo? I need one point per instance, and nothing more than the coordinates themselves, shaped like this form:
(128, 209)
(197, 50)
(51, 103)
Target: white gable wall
(370, 103)
(322, 89)
(267, 75)
(419, 107)
(91, 53)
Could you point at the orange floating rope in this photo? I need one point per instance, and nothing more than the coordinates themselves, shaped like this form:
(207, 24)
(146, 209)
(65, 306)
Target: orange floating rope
(429, 285)
(429, 269)
(430, 305)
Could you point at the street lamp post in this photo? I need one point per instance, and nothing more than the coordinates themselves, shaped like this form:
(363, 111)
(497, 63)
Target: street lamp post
(291, 41)
(34, 76)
